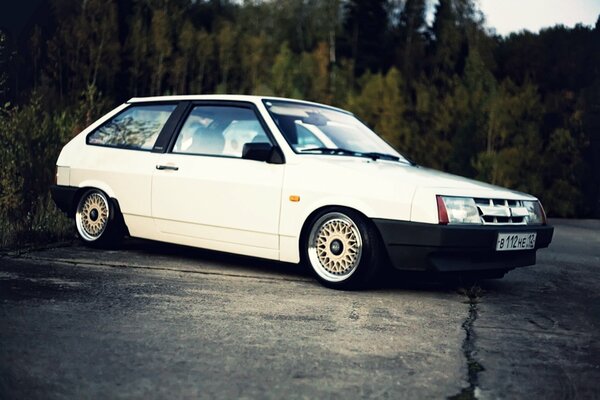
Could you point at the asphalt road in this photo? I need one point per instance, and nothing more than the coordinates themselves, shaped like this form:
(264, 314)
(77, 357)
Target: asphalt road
(159, 321)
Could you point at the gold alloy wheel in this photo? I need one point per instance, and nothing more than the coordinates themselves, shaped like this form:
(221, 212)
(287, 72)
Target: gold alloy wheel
(334, 247)
(92, 215)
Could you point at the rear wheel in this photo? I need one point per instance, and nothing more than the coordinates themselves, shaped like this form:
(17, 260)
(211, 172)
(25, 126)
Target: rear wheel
(97, 220)
(343, 249)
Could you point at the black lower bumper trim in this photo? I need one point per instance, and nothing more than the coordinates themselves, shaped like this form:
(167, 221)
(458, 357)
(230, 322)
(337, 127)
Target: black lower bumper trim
(446, 248)
(64, 197)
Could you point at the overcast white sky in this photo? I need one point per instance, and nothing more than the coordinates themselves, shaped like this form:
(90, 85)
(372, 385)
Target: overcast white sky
(507, 16)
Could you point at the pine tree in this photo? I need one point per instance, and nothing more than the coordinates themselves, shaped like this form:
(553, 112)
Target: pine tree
(365, 34)
(410, 40)
(161, 49)
(447, 42)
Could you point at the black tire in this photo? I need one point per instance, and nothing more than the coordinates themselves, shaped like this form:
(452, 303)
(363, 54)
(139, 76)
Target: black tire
(98, 221)
(343, 249)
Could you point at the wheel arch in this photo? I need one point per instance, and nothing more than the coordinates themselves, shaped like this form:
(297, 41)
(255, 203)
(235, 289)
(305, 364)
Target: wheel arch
(97, 184)
(90, 185)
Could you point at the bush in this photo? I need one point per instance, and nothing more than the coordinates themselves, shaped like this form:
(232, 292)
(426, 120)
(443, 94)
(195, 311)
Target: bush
(45, 223)
(31, 142)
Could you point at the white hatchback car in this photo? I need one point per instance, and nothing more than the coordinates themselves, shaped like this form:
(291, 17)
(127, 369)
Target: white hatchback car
(286, 180)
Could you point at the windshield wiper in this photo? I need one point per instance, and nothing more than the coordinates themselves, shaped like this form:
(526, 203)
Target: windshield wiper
(372, 154)
(376, 156)
(336, 150)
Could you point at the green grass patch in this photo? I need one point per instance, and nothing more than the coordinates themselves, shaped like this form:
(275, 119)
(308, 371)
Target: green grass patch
(44, 224)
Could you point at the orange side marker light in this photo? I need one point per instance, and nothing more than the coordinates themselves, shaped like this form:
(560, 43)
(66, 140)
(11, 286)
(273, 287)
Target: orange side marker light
(294, 198)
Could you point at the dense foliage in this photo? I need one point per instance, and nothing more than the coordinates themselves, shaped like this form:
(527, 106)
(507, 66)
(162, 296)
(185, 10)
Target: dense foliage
(521, 111)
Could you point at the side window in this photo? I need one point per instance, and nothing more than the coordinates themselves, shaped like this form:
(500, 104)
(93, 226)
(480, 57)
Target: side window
(219, 131)
(135, 128)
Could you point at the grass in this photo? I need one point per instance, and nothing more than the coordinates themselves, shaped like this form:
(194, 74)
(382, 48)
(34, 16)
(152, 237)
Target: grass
(45, 224)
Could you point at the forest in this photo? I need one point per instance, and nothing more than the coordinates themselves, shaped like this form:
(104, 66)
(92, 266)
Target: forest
(521, 111)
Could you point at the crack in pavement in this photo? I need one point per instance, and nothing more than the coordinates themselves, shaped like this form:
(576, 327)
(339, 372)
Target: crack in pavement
(469, 348)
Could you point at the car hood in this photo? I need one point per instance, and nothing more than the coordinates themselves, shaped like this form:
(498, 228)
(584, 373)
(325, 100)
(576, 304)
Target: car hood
(421, 177)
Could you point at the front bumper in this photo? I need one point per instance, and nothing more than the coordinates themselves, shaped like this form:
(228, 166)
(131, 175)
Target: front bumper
(454, 248)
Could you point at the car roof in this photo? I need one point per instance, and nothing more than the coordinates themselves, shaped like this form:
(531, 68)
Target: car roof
(230, 97)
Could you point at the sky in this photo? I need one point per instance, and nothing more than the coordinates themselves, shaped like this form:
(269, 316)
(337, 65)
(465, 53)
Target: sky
(506, 16)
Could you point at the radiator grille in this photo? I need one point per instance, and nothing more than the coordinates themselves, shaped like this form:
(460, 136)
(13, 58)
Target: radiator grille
(501, 211)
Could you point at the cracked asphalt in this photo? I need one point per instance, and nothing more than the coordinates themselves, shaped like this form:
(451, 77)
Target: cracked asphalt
(153, 320)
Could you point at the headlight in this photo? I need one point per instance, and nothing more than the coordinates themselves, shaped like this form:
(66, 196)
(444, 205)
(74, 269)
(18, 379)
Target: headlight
(536, 213)
(457, 210)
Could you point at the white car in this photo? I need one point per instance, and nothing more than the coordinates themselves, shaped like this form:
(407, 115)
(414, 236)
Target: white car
(286, 180)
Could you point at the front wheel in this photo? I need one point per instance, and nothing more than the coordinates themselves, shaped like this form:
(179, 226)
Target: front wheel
(343, 249)
(97, 220)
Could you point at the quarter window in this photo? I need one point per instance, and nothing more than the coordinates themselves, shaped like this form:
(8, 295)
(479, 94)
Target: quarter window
(219, 131)
(135, 128)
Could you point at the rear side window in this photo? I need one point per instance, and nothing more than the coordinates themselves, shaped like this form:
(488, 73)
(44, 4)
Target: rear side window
(135, 128)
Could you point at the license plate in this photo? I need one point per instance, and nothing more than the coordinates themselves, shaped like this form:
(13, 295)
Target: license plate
(515, 241)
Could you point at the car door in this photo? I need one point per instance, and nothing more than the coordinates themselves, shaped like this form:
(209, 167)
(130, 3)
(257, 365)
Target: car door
(205, 194)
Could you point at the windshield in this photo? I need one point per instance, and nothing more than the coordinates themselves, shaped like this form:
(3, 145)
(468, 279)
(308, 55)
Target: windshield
(312, 129)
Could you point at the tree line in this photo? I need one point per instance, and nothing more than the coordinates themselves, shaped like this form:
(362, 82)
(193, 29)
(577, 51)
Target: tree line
(521, 111)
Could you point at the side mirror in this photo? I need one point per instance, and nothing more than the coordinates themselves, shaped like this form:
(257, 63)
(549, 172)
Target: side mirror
(262, 152)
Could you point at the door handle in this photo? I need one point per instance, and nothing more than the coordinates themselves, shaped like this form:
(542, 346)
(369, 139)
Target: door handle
(167, 167)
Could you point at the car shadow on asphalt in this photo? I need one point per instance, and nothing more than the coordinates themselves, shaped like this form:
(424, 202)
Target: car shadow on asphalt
(390, 279)
(193, 254)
